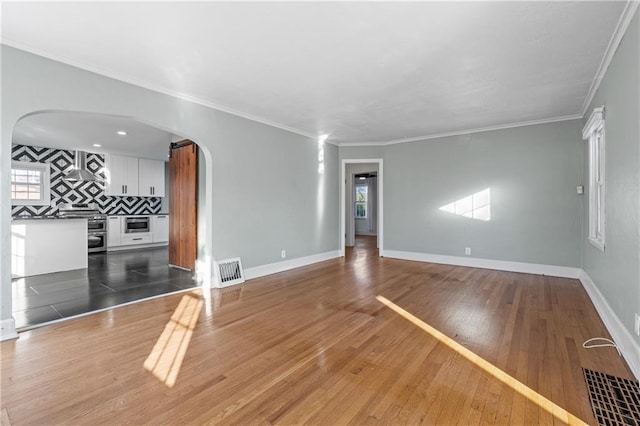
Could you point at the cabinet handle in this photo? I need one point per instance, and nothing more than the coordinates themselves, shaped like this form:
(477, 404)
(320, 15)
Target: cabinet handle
(126, 189)
(123, 189)
(137, 239)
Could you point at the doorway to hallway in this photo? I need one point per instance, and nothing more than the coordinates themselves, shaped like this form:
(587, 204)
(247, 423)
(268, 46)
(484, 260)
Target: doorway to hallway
(361, 202)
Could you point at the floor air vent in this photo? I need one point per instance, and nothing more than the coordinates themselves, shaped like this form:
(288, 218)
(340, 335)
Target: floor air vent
(230, 272)
(615, 401)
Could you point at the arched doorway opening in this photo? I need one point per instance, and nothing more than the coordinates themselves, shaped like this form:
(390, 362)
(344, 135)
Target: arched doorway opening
(125, 256)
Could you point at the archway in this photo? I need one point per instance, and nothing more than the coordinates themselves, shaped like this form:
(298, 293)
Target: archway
(52, 137)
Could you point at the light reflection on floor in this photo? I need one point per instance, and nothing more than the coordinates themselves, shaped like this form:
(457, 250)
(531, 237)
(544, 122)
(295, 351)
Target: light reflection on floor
(167, 355)
(546, 404)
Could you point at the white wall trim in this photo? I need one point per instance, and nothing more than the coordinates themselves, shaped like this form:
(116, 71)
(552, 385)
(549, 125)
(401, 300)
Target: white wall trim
(623, 23)
(154, 88)
(8, 329)
(466, 132)
(204, 272)
(380, 211)
(500, 265)
(628, 347)
(274, 268)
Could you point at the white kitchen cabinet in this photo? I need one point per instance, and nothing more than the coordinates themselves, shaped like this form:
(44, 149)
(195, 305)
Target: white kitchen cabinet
(151, 178)
(135, 238)
(122, 175)
(160, 228)
(114, 231)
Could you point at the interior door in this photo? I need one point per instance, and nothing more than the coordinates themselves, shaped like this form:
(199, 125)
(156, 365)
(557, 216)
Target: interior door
(183, 204)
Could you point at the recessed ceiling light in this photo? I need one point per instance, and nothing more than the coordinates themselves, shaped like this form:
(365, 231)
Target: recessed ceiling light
(362, 178)
(122, 133)
(97, 145)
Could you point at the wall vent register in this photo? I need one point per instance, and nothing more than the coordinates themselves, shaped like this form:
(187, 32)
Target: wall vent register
(614, 400)
(230, 271)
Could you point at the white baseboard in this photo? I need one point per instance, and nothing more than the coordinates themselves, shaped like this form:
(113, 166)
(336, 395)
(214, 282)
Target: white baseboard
(501, 265)
(274, 268)
(623, 338)
(8, 329)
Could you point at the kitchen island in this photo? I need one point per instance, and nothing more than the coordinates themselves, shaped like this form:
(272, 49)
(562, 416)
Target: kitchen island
(45, 245)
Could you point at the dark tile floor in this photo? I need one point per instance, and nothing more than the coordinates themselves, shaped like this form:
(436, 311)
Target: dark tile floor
(111, 279)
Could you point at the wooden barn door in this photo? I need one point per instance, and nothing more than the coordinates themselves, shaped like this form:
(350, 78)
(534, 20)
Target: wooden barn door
(183, 204)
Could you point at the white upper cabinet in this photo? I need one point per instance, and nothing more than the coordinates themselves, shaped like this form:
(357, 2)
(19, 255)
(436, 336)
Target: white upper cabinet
(122, 175)
(151, 178)
(135, 177)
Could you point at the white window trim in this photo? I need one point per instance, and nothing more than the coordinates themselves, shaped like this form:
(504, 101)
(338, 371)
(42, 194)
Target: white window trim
(44, 168)
(355, 204)
(594, 127)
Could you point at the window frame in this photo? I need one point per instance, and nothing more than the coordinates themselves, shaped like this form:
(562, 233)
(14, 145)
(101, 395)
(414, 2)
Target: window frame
(45, 183)
(364, 203)
(595, 135)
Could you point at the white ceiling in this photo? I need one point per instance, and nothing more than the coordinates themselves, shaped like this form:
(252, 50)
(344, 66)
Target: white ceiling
(360, 72)
(73, 131)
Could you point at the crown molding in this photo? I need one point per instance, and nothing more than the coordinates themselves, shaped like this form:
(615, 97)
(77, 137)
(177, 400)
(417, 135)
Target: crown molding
(362, 143)
(616, 38)
(467, 132)
(158, 89)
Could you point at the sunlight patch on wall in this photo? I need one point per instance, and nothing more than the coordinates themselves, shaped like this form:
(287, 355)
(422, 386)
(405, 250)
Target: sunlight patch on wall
(524, 390)
(166, 357)
(321, 141)
(476, 206)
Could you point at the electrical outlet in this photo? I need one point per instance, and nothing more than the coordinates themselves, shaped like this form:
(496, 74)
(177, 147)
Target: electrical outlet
(637, 325)
(467, 251)
(283, 254)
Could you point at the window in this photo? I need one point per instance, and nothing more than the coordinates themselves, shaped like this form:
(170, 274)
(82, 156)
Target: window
(594, 133)
(29, 183)
(361, 201)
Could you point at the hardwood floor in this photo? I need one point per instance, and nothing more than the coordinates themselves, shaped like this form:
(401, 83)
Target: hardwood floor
(317, 345)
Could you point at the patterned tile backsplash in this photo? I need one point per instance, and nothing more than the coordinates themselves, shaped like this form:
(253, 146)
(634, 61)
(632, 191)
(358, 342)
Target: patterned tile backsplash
(77, 192)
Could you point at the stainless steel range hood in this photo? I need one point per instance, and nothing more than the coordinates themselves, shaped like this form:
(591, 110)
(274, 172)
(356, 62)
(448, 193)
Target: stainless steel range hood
(80, 172)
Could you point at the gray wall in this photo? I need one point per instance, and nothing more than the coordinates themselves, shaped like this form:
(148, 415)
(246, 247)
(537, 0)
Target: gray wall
(616, 271)
(263, 182)
(532, 171)
(354, 152)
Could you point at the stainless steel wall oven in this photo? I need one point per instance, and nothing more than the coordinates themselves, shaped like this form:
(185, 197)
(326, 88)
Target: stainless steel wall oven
(96, 223)
(133, 224)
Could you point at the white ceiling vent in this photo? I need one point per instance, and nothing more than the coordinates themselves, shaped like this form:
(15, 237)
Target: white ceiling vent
(230, 272)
